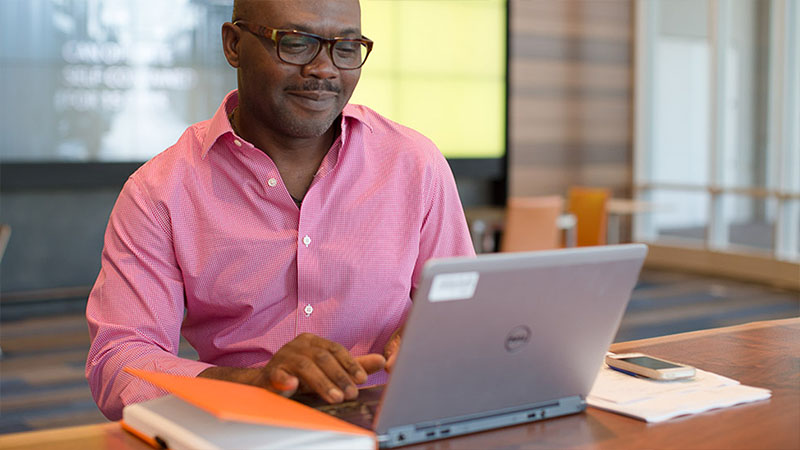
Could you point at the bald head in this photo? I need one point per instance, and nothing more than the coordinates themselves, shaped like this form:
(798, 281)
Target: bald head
(253, 9)
(243, 9)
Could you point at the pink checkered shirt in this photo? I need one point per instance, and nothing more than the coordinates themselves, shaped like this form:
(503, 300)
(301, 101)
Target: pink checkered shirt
(204, 240)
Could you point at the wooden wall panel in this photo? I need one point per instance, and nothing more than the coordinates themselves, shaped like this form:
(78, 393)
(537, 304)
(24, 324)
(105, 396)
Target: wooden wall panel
(606, 79)
(571, 95)
(546, 176)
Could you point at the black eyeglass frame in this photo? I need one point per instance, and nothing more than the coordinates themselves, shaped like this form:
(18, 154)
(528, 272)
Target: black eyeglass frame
(275, 35)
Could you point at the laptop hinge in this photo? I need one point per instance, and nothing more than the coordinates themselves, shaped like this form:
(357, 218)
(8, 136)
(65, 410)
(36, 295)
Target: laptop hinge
(453, 426)
(485, 415)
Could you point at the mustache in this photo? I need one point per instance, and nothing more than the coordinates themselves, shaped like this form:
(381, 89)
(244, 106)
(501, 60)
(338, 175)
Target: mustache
(316, 85)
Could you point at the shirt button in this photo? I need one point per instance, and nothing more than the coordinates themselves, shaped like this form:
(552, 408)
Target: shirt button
(306, 240)
(272, 182)
(237, 142)
(308, 310)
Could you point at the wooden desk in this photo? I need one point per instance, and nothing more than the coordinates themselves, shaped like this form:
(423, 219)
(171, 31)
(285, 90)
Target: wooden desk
(618, 207)
(763, 354)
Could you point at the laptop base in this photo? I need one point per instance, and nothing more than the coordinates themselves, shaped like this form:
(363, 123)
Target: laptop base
(424, 432)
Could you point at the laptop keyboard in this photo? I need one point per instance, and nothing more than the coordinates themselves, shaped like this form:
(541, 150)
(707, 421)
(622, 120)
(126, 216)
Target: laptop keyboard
(348, 409)
(360, 411)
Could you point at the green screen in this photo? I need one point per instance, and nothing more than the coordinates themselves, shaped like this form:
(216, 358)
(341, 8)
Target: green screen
(439, 66)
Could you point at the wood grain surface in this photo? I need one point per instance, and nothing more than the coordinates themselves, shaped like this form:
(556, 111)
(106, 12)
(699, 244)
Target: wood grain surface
(762, 354)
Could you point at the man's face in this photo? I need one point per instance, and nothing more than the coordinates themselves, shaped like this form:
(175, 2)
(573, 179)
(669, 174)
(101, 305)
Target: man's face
(290, 100)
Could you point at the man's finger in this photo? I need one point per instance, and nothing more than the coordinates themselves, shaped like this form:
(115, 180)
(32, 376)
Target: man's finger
(313, 377)
(390, 351)
(346, 360)
(390, 362)
(334, 371)
(283, 382)
(371, 363)
(393, 345)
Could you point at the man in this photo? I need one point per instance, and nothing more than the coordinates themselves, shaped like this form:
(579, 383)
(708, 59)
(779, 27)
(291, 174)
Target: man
(283, 237)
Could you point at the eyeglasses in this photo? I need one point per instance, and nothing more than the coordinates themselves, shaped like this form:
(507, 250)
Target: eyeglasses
(300, 48)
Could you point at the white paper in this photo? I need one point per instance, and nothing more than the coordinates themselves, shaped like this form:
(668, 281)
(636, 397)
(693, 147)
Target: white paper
(618, 387)
(655, 401)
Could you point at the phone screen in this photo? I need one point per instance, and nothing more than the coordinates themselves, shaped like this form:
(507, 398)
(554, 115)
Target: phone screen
(651, 363)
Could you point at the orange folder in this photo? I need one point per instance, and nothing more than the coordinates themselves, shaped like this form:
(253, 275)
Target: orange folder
(243, 403)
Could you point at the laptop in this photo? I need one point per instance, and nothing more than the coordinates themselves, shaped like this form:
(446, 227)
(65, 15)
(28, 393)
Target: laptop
(498, 340)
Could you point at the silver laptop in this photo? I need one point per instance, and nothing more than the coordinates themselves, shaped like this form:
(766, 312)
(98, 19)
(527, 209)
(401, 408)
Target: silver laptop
(497, 340)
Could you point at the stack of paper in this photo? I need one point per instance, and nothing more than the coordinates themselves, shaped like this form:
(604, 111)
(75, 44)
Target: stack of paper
(656, 401)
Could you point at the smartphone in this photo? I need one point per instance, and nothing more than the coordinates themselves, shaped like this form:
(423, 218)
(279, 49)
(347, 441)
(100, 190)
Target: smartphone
(648, 366)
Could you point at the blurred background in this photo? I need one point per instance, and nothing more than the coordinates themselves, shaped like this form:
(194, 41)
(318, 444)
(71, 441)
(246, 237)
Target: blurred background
(670, 122)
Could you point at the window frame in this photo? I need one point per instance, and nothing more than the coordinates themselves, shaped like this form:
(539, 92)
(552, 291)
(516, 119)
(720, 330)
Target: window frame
(783, 131)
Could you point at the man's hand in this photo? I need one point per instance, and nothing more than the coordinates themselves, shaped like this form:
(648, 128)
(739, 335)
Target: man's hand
(307, 363)
(391, 348)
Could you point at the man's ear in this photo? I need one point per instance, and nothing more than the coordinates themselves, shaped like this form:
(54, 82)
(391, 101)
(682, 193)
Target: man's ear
(230, 43)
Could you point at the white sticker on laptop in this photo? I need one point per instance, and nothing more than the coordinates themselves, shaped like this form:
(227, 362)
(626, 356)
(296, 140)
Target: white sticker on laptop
(453, 286)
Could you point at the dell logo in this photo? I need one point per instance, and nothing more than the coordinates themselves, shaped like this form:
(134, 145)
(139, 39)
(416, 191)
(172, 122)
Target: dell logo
(517, 337)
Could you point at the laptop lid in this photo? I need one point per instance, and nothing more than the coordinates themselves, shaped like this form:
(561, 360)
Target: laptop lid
(502, 331)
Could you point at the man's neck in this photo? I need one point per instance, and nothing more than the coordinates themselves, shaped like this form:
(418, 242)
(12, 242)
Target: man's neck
(297, 159)
(284, 148)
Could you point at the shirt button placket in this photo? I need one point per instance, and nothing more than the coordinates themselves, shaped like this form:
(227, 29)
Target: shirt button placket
(306, 241)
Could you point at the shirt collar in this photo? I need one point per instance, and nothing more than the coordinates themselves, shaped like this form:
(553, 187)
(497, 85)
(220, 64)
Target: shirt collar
(219, 125)
(355, 112)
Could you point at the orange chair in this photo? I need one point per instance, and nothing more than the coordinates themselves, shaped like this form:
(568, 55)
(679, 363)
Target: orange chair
(531, 223)
(588, 205)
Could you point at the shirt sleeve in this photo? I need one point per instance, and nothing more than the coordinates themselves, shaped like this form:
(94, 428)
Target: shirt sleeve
(136, 306)
(444, 230)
